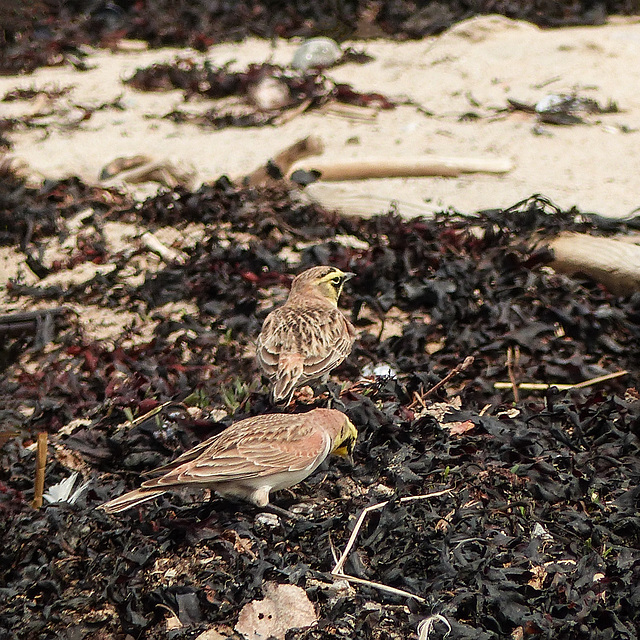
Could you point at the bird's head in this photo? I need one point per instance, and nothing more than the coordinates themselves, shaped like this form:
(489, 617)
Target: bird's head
(326, 282)
(346, 440)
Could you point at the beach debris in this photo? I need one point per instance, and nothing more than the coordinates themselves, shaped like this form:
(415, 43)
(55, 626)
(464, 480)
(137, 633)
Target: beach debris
(280, 165)
(64, 491)
(316, 53)
(615, 262)
(142, 168)
(389, 167)
(284, 607)
(563, 109)
(270, 94)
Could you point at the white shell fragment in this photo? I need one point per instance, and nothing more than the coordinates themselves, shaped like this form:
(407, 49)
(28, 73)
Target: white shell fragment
(549, 102)
(270, 94)
(63, 491)
(380, 370)
(316, 52)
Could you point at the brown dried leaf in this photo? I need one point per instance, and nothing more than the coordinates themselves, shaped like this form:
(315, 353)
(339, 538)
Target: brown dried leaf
(284, 607)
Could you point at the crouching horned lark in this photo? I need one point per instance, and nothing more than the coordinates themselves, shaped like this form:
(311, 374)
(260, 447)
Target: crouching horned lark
(252, 457)
(308, 336)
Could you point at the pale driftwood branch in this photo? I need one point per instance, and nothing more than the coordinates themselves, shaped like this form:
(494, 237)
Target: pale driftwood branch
(614, 263)
(421, 166)
(304, 148)
(338, 569)
(41, 463)
(351, 199)
(142, 168)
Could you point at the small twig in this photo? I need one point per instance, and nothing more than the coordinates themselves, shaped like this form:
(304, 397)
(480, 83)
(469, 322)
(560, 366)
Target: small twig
(338, 571)
(334, 553)
(27, 322)
(513, 355)
(599, 379)
(379, 586)
(292, 113)
(419, 400)
(467, 362)
(484, 409)
(532, 386)
(543, 386)
(41, 463)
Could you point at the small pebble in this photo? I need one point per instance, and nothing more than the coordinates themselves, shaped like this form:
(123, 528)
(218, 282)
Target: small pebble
(316, 52)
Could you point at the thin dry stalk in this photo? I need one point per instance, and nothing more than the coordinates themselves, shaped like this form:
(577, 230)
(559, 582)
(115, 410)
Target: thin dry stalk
(484, 409)
(465, 364)
(41, 463)
(599, 379)
(419, 400)
(543, 386)
(513, 356)
(380, 587)
(338, 570)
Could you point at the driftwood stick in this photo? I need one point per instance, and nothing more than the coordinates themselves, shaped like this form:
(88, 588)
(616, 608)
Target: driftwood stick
(614, 263)
(26, 322)
(421, 166)
(285, 159)
(41, 463)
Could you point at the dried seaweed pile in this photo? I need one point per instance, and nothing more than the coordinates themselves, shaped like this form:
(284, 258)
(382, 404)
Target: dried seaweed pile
(40, 33)
(539, 535)
(298, 90)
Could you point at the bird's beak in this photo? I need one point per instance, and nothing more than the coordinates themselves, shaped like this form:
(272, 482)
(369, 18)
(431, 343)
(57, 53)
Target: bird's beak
(345, 453)
(348, 275)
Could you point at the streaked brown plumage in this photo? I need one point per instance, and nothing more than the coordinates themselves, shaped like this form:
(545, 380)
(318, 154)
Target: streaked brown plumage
(252, 457)
(307, 337)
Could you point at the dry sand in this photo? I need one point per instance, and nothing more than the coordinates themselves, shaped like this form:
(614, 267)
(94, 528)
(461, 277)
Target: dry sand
(476, 66)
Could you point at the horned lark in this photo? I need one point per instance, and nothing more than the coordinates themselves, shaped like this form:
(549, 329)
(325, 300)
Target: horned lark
(252, 457)
(308, 336)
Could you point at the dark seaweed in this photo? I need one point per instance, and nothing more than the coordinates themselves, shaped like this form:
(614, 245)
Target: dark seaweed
(540, 532)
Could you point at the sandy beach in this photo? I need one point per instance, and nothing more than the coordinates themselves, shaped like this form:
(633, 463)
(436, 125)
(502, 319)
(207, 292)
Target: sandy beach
(474, 68)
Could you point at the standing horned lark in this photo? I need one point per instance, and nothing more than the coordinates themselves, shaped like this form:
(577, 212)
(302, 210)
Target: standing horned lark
(252, 457)
(308, 336)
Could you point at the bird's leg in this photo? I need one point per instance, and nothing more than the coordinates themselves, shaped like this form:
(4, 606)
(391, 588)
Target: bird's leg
(334, 401)
(283, 513)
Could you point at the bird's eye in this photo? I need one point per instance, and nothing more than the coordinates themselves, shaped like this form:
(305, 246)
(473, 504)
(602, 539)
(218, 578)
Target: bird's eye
(336, 281)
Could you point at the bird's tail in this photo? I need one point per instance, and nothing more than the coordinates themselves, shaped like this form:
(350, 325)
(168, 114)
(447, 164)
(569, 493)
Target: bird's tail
(131, 499)
(290, 368)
